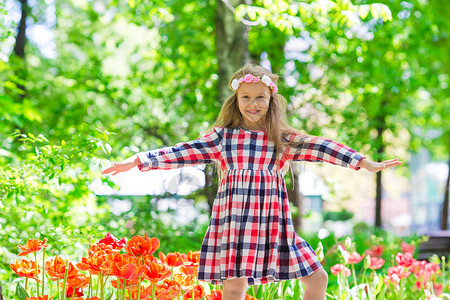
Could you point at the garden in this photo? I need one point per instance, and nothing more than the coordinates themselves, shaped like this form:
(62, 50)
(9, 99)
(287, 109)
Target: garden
(84, 84)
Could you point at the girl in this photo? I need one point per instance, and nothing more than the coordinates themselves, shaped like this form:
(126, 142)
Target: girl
(251, 237)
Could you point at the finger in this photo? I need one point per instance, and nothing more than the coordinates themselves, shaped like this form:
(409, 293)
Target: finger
(390, 160)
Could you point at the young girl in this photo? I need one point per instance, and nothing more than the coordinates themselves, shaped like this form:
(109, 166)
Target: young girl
(251, 237)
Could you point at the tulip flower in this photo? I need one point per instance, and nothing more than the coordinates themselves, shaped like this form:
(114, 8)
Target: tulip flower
(407, 247)
(168, 289)
(139, 246)
(25, 268)
(184, 280)
(405, 260)
(43, 297)
(93, 263)
(79, 281)
(197, 292)
(56, 268)
(32, 246)
(399, 271)
(174, 259)
(215, 295)
(340, 269)
(74, 292)
(376, 263)
(156, 271)
(144, 294)
(375, 250)
(354, 258)
(114, 242)
(127, 271)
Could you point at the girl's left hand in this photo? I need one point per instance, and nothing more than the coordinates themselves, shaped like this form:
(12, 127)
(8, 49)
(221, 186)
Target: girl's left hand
(373, 166)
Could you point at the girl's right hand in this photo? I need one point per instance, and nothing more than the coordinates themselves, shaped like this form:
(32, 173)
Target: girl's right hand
(123, 166)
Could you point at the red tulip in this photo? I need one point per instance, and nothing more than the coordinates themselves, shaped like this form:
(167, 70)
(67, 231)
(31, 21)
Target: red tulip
(399, 271)
(354, 258)
(376, 250)
(197, 292)
(79, 281)
(340, 269)
(127, 271)
(140, 246)
(32, 246)
(405, 260)
(174, 259)
(215, 295)
(43, 297)
(114, 242)
(74, 292)
(25, 268)
(376, 263)
(168, 290)
(56, 268)
(156, 271)
(407, 247)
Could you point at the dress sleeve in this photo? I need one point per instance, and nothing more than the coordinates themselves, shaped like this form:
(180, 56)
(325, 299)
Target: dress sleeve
(203, 150)
(320, 149)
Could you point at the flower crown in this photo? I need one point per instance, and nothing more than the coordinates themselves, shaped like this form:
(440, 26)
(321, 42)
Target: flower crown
(250, 78)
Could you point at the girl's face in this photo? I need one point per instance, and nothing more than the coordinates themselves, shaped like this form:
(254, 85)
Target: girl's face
(253, 100)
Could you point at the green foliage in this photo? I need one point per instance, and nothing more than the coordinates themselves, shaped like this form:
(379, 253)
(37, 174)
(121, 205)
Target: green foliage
(341, 215)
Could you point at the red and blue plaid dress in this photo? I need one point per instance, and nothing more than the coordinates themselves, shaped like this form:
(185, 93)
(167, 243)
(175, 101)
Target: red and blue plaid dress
(251, 233)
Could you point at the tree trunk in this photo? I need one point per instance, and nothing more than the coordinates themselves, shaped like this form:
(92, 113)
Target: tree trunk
(296, 197)
(19, 47)
(232, 53)
(21, 39)
(378, 197)
(444, 215)
(231, 45)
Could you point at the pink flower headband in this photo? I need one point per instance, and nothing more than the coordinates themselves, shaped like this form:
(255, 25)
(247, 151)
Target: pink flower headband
(250, 78)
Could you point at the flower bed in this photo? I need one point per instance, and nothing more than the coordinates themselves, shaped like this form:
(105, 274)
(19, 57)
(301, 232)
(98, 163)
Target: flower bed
(121, 269)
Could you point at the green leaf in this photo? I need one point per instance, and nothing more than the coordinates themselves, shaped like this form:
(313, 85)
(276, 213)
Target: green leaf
(21, 293)
(109, 297)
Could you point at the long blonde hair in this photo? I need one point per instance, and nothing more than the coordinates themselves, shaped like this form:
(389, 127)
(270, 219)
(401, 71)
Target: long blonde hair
(277, 126)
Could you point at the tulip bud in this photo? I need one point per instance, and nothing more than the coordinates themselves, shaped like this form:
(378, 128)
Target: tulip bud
(367, 261)
(345, 254)
(319, 252)
(348, 243)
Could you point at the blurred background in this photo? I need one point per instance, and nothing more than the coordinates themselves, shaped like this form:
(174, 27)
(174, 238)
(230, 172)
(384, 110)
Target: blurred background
(87, 83)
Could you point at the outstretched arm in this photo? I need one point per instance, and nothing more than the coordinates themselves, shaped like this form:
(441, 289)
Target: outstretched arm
(123, 166)
(203, 150)
(373, 166)
(320, 149)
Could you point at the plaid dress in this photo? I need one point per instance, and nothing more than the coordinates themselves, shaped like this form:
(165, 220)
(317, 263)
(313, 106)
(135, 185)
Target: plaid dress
(251, 233)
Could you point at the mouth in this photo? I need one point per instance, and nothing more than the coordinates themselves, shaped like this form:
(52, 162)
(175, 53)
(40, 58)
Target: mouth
(253, 112)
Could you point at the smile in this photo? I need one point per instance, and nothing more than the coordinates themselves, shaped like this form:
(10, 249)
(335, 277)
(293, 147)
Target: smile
(253, 112)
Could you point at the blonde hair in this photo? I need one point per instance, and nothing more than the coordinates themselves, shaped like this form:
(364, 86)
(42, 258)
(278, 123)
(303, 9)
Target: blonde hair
(277, 126)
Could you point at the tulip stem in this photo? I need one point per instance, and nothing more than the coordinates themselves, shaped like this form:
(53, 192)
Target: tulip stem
(443, 272)
(123, 288)
(98, 283)
(37, 274)
(57, 286)
(153, 290)
(26, 283)
(90, 286)
(100, 278)
(354, 274)
(139, 288)
(65, 280)
(43, 271)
